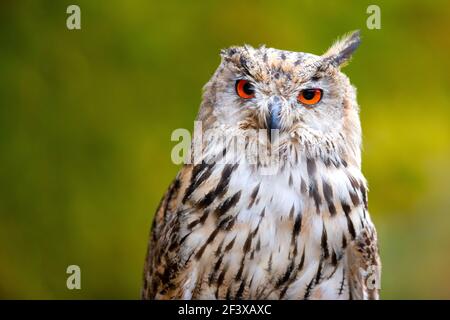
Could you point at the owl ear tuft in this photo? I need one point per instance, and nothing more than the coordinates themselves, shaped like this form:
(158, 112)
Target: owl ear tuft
(341, 51)
(228, 52)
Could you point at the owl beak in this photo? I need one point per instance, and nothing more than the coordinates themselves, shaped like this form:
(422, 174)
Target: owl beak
(273, 117)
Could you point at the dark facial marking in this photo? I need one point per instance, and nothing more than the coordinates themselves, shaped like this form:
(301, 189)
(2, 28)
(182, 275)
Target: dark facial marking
(244, 66)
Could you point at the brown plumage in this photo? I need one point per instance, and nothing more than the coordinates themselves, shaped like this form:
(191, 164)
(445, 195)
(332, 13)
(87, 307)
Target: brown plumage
(289, 223)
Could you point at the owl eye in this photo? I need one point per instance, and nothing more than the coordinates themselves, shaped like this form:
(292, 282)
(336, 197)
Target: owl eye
(310, 96)
(244, 89)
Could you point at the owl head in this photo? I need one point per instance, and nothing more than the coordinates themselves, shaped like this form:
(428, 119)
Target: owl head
(304, 97)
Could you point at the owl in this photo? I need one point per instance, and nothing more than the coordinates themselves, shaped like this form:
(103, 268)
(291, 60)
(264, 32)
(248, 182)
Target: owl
(283, 216)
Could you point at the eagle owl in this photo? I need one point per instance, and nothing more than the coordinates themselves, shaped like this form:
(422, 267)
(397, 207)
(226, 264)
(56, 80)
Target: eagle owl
(235, 229)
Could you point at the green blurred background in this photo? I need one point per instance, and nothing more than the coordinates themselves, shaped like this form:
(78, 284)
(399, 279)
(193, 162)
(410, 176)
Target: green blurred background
(86, 118)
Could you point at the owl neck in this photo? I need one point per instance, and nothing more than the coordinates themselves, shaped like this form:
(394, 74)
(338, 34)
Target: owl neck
(288, 151)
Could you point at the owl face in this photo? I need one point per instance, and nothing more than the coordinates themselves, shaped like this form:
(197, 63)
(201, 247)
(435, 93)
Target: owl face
(274, 89)
(293, 92)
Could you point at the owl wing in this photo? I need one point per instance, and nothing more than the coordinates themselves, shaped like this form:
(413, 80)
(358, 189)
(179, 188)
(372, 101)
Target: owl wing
(364, 265)
(162, 265)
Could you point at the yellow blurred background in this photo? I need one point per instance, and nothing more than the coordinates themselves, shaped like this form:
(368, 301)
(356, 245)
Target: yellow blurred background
(86, 118)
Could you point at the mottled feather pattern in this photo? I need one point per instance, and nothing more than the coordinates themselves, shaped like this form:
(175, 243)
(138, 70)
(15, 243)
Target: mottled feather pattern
(226, 230)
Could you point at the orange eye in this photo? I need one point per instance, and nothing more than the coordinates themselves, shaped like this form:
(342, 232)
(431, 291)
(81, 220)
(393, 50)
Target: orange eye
(244, 89)
(310, 96)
